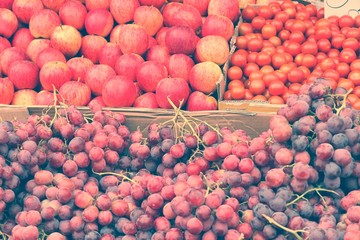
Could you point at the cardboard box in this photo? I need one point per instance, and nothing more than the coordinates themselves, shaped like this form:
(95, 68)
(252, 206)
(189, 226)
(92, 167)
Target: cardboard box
(252, 123)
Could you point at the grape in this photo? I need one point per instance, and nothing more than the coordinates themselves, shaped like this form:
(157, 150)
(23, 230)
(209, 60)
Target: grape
(277, 204)
(299, 143)
(269, 231)
(266, 194)
(332, 170)
(257, 224)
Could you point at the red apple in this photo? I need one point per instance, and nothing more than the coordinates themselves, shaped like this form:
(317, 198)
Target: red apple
(22, 38)
(53, 4)
(67, 39)
(6, 90)
(36, 46)
(123, 10)
(218, 25)
(149, 74)
(109, 54)
(116, 33)
(75, 93)
(127, 65)
(156, 3)
(54, 75)
(119, 91)
(4, 44)
(73, 13)
(178, 14)
(91, 46)
(181, 39)
(159, 54)
(147, 100)
(43, 23)
(212, 49)
(8, 56)
(24, 9)
(152, 42)
(8, 23)
(150, 18)
(176, 89)
(79, 66)
(24, 74)
(96, 4)
(45, 98)
(24, 97)
(99, 22)
(200, 5)
(133, 39)
(49, 55)
(204, 76)
(227, 8)
(96, 104)
(160, 36)
(96, 77)
(199, 101)
(179, 66)
(6, 4)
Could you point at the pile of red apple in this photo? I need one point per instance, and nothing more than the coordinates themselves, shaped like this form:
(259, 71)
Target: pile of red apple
(283, 45)
(116, 53)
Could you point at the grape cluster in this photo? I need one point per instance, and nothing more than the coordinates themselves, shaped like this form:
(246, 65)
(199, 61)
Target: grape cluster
(70, 177)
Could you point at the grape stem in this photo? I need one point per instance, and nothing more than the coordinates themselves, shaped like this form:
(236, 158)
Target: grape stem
(118, 175)
(317, 190)
(275, 223)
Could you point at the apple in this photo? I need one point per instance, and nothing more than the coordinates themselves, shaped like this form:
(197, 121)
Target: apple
(149, 74)
(7, 91)
(176, 89)
(227, 8)
(159, 54)
(127, 65)
(24, 74)
(91, 46)
(22, 38)
(160, 35)
(6, 4)
(116, 33)
(180, 65)
(79, 66)
(119, 91)
(200, 5)
(48, 55)
(99, 22)
(4, 44)
(36, 46)
(156, 3)
(146, 100)
(218, 25)
(45, 98)
(53, 4)
(8, 56)
(75, 93)
(96, 4)
(8, 23)
(123, 10)
(109, 54)
(181, 39)
(43, 23)
(24, 97)
(96, 77)
(178, 14)
(204, 76)
(96, 104)
(150, 18)
(24, 9)
(73, 13)
(54, 74)
(212, 49)
(199, 101)
(67, 39)
(133, 39)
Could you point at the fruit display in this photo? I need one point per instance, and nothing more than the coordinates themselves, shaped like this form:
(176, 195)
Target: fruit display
(114, 53)
(282, 45)
(71, 175)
